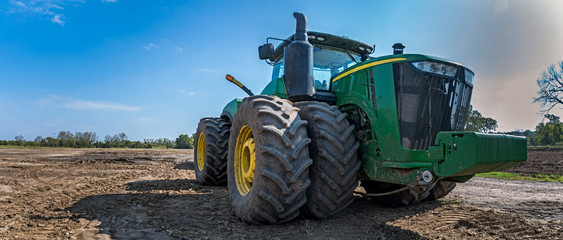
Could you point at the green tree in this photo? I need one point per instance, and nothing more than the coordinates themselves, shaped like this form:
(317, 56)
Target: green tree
(552, 118)
(184, 141)
(39, 140)
(19, 140)
(51, 142)
(549, 133)
(86, 139)
(476, 122)
(66, 139)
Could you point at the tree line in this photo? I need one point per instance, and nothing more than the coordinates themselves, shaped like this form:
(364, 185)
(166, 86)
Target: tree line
(548, 133)
(90, 140)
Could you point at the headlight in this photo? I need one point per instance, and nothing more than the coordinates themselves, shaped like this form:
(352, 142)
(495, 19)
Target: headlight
(436, 68)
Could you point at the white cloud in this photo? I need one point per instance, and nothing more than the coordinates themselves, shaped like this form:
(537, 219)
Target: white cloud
(150, 46)
(109, 1)
(88, 105)
(19, 4)
(58, 19)
(50, 8)
(45, 7)
(180, 50)
(63, 102)
(190, 93)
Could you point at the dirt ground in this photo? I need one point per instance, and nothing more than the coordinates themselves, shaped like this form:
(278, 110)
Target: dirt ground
(541, 161)
(152, 194)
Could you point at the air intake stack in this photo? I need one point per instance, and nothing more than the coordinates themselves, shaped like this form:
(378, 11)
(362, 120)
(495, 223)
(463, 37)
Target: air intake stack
(298, 63)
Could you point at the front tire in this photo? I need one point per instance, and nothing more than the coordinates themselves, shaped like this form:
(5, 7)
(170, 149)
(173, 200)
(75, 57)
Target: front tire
(406, 197)
(210, 155)
(333, 149)
(440, 190)
(268, 166)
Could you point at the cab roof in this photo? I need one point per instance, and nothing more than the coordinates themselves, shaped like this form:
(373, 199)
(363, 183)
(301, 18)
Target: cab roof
(363, 49)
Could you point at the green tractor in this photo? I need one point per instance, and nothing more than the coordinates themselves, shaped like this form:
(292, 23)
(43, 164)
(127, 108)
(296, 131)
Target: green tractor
(331, 117)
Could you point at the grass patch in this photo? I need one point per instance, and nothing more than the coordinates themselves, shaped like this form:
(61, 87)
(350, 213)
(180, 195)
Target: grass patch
(514, 176)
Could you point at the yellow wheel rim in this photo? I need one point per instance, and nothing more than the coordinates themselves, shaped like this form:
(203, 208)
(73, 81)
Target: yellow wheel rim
(200, 151)
(245, 160)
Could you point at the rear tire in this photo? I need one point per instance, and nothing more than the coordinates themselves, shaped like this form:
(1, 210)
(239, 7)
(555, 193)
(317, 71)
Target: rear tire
(268, 167)
(333, 149)
(210, 155)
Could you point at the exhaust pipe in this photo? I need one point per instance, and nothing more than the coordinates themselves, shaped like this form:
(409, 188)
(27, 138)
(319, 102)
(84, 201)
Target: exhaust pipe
(298, 63)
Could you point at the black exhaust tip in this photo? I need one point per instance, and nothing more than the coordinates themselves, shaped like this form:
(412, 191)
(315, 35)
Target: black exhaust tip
(398, 48)
(301, 26)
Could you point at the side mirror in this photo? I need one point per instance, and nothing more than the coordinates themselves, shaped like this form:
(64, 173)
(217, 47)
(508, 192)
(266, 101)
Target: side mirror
(265, 51)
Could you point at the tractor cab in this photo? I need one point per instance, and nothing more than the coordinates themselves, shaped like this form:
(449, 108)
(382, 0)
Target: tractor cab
(331, 55)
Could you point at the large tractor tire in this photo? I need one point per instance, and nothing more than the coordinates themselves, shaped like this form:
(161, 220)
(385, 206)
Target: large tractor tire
(408, 196)
(333, 149)
(268, 167)
(440, 190)
(210, 157)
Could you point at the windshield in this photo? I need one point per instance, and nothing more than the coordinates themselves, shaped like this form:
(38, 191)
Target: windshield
(327, 62)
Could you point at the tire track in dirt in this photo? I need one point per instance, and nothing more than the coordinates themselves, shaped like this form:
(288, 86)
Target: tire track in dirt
(48, 180)
(539, 200)
(456, 221)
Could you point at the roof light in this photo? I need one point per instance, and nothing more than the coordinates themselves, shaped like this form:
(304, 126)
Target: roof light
(436, 68)
(320, 38)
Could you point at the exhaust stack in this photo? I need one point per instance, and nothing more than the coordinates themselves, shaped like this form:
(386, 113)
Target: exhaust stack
(398, 48)
(298, 63)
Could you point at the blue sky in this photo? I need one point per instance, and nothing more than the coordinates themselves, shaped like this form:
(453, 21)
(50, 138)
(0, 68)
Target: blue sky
(152, 69)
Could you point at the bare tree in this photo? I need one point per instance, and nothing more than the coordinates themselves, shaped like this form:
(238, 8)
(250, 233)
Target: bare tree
(122, 136)
(551, 87)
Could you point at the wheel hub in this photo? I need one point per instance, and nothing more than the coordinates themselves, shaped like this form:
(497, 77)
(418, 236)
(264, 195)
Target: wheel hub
(200, 151)
(245, 160)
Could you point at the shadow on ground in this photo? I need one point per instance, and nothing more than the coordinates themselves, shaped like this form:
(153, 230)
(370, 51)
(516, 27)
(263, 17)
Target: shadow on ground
(174, 209)
(185, 166)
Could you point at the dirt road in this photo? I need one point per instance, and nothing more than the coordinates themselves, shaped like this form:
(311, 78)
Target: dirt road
(152, 194)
